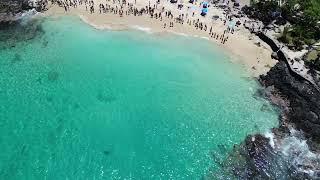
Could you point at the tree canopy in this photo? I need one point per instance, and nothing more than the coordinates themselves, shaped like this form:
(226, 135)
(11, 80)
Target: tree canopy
(303, 15)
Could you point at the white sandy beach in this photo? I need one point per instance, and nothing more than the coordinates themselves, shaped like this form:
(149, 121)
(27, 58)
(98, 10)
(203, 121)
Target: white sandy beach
(242, 45)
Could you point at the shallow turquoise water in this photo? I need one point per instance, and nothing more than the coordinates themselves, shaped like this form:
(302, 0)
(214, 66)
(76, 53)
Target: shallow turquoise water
(79, 103)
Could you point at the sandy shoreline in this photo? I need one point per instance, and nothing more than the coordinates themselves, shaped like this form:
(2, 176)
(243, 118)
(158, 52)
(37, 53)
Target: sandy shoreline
(241, 45)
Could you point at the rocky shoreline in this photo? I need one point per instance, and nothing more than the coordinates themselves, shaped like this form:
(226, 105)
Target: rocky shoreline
(304, 99)
(300, 91)
(290, 151)
(11, 10)
(280, 155)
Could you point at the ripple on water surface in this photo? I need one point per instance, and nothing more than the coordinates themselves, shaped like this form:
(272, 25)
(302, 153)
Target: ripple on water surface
(81, 103)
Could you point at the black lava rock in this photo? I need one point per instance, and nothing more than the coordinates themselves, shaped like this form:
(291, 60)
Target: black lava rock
(304, 98)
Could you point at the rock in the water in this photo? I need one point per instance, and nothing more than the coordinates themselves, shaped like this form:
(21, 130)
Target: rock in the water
(53, 76)
(17, 58)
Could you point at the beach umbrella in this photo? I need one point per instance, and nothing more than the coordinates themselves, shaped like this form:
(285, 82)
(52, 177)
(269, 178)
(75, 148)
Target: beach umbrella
(204, 10)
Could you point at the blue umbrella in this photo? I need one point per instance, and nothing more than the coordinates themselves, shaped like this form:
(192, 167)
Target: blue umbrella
(204, 10)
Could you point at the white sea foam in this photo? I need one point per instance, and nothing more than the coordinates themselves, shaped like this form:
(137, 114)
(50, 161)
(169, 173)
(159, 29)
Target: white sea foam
(270, 135)
(31, 12)
(140, 28)
(26, 16)
(180, 34)
(203, 37)
(295, 149)
(298, 152)
(99, 27)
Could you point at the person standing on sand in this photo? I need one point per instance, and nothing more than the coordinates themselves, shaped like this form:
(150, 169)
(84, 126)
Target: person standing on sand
(91, 9)
(65, 8)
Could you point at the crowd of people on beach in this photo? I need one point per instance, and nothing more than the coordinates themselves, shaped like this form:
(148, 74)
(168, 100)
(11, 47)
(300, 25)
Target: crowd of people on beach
(122, 7)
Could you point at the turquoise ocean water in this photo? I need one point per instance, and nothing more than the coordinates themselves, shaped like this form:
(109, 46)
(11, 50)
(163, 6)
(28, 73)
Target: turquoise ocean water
(79, 103)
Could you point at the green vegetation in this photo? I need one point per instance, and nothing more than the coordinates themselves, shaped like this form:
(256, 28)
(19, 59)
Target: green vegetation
(303, 15)
(312, 59)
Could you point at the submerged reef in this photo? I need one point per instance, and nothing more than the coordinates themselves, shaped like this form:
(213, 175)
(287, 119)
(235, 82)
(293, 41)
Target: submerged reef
(17, 22)
(20, 31)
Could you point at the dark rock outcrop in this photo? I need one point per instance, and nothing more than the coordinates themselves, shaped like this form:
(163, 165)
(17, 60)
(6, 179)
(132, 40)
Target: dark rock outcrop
(10, 10)
(14, 6)
(255, 158)
(303, 97)
(298, 97)
(258, 158)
